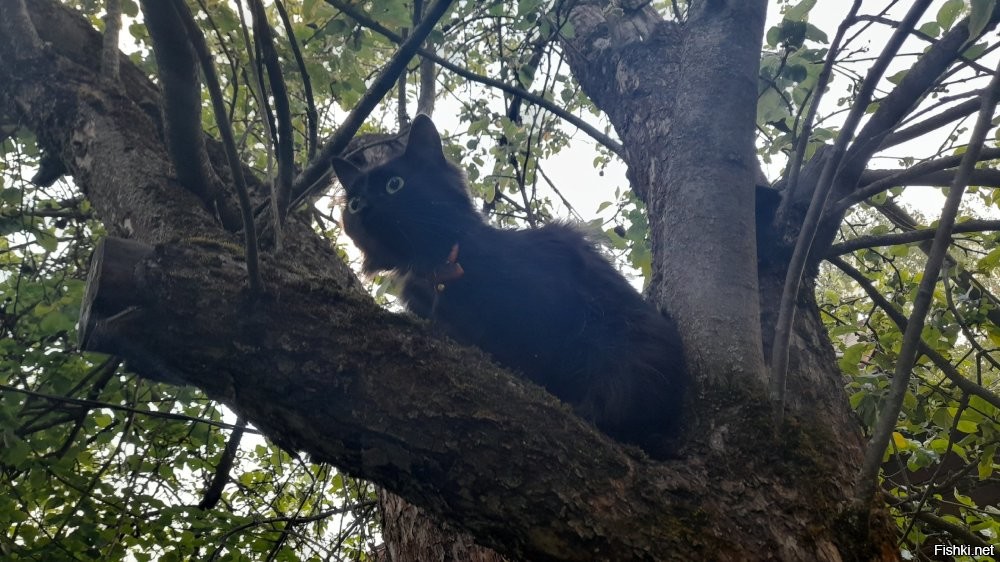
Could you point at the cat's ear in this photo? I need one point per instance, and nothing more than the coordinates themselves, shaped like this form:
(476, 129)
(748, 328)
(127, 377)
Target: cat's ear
(424, 141)
(346, 172)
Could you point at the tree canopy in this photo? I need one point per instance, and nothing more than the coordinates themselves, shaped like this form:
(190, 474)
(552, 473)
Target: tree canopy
(808, 187)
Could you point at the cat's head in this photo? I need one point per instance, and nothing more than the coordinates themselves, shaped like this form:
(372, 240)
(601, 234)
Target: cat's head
(409, 211)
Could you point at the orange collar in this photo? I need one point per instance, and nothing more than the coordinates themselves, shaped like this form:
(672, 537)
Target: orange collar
(449, 271)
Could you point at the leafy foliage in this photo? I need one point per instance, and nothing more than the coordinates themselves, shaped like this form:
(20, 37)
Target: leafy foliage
(98, 464)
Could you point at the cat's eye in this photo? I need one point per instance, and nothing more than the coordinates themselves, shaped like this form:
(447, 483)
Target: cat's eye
(355, 204)
(394, 184)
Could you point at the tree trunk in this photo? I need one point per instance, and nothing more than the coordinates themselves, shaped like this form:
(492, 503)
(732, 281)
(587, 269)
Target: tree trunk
(311, 362)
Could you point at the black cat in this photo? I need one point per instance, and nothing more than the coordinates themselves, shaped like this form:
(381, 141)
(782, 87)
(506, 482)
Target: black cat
(543, 302)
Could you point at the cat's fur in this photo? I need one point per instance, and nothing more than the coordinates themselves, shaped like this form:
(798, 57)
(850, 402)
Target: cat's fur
(543, 302)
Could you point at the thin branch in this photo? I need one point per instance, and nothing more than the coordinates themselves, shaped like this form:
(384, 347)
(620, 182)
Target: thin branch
(221, 476)
(228, 142)
(811, 223)
(112, 28)
(312, 117)
(959, 532)
(868, 477)
(95, 404)
(909, 176)
(289, 520)
(427, 78)
(802, 144)
(947, 116)
(897, 238)
(264, 39)
(590, 130)
(382, 84)
(924, 74)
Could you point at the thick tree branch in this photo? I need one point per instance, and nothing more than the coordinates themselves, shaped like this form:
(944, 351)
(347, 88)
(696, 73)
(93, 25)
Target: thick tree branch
(21, 37)
(334, 405)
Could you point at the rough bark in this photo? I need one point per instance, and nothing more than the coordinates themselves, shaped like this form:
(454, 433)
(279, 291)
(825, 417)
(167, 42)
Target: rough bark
(311, 363)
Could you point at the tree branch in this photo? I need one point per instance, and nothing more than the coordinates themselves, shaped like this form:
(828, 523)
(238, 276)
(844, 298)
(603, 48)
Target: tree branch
(811, 223)
(228, 143)
(177, 69)
(22, 39)
(98, 405)
(932, 123)
(264, 39)
(897, 238)
(914, 85)
(312, 117)
(382, 84)
(112, 27)
(882, 431)
(398, 439)
(590, 130)
(899, 319)
(914, 175)
(802, 143)
(221, 477)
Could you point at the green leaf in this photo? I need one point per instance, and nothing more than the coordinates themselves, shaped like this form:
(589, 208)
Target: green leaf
(990, 261)
(949, 12)
(966, 426)
(814, 33)
(930, 28)
(102, 420)
(800, 11)
(979, 16)
(897, 77)
(975, 51)
(792, 33)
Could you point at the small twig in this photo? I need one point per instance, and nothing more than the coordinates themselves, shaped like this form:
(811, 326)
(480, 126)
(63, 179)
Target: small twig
(95, 404)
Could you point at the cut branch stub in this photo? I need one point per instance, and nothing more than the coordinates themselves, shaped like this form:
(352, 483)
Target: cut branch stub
(111, 291)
